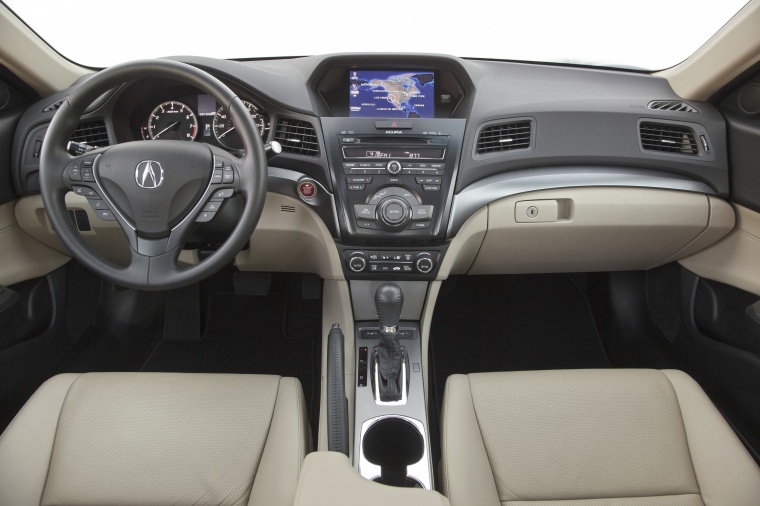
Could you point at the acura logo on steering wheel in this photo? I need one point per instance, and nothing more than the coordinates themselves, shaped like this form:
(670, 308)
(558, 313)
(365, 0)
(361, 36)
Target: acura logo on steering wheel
(149, 174)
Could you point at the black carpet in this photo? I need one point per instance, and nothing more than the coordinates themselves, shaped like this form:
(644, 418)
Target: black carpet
(512, 323)
(244, 335)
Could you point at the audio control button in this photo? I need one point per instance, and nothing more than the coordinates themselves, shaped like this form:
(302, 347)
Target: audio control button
(394, 167)
(422, 213)
(364, 212)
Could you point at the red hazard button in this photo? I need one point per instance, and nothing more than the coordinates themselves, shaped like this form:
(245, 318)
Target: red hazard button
(306, 189)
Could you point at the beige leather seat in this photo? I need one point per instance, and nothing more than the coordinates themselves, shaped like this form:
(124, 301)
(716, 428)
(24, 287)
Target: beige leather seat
(156, 439)
(590, 437)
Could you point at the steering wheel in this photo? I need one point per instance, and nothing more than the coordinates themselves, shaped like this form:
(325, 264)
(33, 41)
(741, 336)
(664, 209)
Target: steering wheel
(157, 190)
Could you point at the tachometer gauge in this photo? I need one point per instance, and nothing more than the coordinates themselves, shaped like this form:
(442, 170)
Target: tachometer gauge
(224, 130)
(173, 120)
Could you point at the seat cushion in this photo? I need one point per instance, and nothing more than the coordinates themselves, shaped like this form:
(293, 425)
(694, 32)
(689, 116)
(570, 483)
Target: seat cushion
(155, 439)
(597, 437)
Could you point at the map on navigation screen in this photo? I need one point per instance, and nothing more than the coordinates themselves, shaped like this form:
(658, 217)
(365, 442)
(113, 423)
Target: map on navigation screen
(391, 94)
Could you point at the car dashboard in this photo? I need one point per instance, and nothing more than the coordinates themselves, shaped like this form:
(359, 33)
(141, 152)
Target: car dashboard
(398, 154)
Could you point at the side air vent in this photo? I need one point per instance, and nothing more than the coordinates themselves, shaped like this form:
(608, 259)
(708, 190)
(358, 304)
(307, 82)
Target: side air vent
(672, 105)
(92, 133)
(668, 138)
(55, 105)
(297, 137)
(504, 137)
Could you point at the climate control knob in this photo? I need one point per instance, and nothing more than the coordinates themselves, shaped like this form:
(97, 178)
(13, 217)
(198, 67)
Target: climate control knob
(395, 213)
(357, 263)
(394, 167)
(425, 265)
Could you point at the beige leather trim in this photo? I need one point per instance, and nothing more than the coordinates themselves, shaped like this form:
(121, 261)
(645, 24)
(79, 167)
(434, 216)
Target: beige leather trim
(734, 260)
(336, 308)
(27, 443)
(597, 229)
(666, 500)
(727, 54)
(467, 476)
(291, 241)
(727, 475)
(106, 237)
(465, 245)
(23, 256)
(31, 59)
(288, 442)
(328, 479)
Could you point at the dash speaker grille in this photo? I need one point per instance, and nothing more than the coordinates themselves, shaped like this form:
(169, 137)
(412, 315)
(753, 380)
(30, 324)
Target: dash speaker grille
(749, 98)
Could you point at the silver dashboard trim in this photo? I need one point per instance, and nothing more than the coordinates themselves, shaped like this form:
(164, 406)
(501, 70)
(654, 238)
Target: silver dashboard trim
(506, 184)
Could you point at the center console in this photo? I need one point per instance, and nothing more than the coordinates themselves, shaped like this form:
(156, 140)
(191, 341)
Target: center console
(394, 181)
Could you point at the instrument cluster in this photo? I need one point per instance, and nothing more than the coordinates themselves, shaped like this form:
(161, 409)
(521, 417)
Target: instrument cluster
(183, 113)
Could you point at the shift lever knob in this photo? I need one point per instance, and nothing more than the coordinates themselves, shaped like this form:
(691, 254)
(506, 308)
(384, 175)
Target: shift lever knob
(389, 300)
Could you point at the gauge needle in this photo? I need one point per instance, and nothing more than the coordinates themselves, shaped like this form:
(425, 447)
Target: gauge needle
(165, 129)
(225, 133)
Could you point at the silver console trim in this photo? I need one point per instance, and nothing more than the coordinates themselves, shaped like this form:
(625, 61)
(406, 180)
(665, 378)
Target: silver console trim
(510, 183)
(420, 471)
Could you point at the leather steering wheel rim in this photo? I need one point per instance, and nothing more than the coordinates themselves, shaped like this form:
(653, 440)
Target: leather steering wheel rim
(150, 267)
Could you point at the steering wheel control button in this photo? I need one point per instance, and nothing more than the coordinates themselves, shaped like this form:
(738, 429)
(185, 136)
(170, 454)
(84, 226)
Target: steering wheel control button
(84, 191)
(228, 176)
(222, 194)
(105, 214)
(75, 172)
(394, 167)
(212, 207)
(204, 217)
(218, 163)
(216, 178)
(364, 212)
(307, 190)
(421, 213)
(98, 205)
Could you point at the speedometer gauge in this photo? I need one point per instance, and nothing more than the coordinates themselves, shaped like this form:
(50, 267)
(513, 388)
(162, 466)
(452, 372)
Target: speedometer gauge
(173, 120)
(224, 130)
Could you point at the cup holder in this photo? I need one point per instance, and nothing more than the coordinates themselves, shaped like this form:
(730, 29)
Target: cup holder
(393, 444)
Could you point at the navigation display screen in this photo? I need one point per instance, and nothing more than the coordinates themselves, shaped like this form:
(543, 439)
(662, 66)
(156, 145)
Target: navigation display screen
(391, 94)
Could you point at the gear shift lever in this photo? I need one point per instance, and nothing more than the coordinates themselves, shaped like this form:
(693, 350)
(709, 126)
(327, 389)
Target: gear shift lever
(389, 354)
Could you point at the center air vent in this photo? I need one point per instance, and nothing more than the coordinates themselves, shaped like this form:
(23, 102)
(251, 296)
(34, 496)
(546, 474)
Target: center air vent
(671, 105)
(297, 137)
(504, 137)
(668, 138)
(92, 133)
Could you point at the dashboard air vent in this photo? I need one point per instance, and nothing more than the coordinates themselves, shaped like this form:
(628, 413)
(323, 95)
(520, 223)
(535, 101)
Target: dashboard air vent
(668, 138)
(92, 133)
(297, 137)
(672, 105)
(55, 105)
(504, 137)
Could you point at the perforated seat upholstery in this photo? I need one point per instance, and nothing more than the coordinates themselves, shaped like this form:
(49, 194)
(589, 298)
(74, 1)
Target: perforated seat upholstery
(590, 437)
(155, 439)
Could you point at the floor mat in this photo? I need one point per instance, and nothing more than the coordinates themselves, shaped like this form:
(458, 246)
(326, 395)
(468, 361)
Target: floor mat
(244, 335)
(512, 323)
